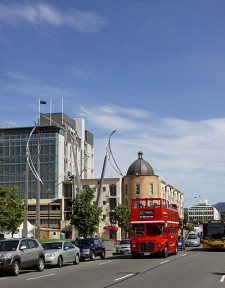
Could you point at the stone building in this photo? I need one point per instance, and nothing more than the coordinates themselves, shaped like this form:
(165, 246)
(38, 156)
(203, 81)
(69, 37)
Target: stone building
(142, 182)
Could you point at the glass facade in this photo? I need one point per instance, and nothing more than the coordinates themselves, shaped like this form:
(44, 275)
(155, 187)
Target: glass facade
(13, 161)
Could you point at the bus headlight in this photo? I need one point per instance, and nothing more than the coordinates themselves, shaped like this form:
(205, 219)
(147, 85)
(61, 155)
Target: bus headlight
(159, 245)
(134, 245)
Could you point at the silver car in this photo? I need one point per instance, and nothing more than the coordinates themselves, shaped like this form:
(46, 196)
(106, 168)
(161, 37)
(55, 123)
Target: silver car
(23, 253)
(59, 252)
(124, 246)
(192, 240)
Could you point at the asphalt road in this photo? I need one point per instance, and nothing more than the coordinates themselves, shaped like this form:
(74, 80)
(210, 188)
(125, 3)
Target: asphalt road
(193, 267)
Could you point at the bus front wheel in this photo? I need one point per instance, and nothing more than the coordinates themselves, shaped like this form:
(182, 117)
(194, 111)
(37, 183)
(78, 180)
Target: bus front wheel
(135, 254)
(165, 252)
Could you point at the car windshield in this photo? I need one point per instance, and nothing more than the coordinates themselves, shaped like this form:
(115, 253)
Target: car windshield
(52, 246)
(8, 245)
(192, 237)
(125, 242)
(84, 242)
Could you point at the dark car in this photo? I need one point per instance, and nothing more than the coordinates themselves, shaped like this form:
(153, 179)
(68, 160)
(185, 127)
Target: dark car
(181, 242)
(23, 253)
(90, 248)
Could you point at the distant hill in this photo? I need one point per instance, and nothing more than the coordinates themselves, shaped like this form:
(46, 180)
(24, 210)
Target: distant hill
(220, 206)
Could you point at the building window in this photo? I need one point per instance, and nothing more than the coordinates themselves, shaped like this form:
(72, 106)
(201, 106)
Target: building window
(150, 189)
(137, 188)
(44, 221)
(55, 221)
(126, 189)
(126, 202)
(104, 202)
(32, 208)
(112, 203)
(112, 190)
(104, 189)
(112, 218)
(56, 207)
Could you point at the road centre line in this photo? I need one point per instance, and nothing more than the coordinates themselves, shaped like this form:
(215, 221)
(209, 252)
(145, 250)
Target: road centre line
(124, 277)
(184, 255)
(105, 263)
(222, 279)
(165, 262)
(40, 277)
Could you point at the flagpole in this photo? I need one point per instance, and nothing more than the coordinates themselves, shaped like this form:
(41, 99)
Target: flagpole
(51, 112)
(39, 115)
(62, 110)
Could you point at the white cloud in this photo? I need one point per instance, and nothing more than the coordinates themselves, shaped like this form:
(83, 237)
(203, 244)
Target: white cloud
(188, 155)
(42, 14)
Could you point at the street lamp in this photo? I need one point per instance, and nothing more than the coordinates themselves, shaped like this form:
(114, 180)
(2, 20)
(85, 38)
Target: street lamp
(108, 150)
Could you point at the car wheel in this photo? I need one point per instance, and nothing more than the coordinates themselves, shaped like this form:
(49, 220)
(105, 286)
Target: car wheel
(102, 255)
(16, 268)
(165, 251)
(77, 259)
(41, 264)
(92, 258)
(60, 262)
(135, 254)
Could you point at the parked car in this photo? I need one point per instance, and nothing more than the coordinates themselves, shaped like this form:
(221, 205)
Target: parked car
(90, 248)
(60, 252)
(124, 246)
(181, 242)
(22, 253)
(192, 240)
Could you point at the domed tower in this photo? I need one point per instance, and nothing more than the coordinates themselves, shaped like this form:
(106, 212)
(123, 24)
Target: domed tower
(140, 181)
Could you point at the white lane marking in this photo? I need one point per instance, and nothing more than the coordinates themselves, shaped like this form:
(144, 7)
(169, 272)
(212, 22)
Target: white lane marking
(40, 277)
(184, 255)
(222, 279)
(124, 277)
(104, 263)
(165, 262)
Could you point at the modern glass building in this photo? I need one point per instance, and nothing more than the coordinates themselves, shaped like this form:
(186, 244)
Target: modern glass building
(58, 137)
(13, 142)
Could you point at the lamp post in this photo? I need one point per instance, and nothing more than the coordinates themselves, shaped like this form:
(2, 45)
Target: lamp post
(103, 170)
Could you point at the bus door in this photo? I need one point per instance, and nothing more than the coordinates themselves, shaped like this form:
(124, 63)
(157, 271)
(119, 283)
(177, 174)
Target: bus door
(170, 238)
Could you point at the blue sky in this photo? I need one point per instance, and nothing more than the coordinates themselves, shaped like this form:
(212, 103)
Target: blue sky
(152, 70)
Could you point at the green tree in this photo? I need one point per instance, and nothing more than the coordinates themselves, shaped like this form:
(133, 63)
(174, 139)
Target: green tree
(190, 228)
(222, 215)
(122, 216)
(85, 216)
(12, 209)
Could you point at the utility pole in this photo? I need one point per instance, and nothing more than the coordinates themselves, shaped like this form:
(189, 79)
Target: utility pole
(38, 197)
(24, 231)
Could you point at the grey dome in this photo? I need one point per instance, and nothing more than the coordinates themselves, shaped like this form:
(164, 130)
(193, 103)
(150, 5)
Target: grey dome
(140, 167)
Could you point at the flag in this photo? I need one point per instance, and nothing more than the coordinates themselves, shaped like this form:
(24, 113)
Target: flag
(42, 102)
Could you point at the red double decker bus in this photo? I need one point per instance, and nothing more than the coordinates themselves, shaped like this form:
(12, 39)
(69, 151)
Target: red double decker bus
(154, 227)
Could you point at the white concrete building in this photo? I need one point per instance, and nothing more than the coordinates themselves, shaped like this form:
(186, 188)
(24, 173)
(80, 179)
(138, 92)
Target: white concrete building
(203, 211)
(173, 195)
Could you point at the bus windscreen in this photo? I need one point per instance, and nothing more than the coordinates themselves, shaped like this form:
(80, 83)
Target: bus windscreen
(214, 231)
